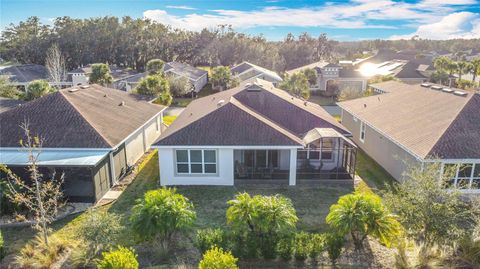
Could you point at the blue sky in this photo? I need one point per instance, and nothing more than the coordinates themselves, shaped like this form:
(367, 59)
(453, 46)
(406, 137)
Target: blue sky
(341, 20)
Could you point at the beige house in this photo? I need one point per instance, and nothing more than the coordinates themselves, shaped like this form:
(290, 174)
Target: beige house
(416, 124)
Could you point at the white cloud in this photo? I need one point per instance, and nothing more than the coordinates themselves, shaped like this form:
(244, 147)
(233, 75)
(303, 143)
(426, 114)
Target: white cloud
(355, 14)
(455, 25)
(181, 7)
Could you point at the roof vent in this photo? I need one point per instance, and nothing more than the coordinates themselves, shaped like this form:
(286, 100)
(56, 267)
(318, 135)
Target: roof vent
(220, 103)
(105, 95)
(365, 105)
(248, 85)
(435, 87)
(85, 86)
(426, 85)
(460, 93)
(305, 103)
(73, 90)
(122, 103)
(447, 90)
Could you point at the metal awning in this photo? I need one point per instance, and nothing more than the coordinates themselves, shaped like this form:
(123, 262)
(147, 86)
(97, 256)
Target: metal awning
(319, 133)
(54, 157)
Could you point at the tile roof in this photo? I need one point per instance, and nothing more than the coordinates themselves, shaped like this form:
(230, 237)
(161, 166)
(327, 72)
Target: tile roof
(429, 123)
(185, 70)
(92, 117)
(250, 114)
(24, 73)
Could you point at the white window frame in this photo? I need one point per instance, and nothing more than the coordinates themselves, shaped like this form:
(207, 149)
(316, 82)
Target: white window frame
(189, 162)
(470, 178)
(157, 123)
(363, 129)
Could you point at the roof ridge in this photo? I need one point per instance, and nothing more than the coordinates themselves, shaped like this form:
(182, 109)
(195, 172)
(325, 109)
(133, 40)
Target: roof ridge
(265, 120)
(451, 123)
(62, 93)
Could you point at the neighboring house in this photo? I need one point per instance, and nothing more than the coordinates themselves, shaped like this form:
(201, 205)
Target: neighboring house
(417, 124)
(197, 77)
(344, 76)
(254, 133)
(80, 75)
(8, 103)
(22, 75)
(246, 71)
(92, 134)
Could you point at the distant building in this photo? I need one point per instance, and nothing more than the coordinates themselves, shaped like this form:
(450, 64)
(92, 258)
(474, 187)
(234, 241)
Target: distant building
(22, 75)
(246, 71)
(343, 74)
(81, 75)
(411, 125)
(197, 77)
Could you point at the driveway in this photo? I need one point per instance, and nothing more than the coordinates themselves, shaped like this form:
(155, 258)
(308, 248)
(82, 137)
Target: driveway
(173, 111)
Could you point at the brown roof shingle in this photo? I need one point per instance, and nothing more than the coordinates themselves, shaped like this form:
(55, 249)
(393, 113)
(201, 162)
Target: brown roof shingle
(250, 114)
(93, 117)
(426, 122)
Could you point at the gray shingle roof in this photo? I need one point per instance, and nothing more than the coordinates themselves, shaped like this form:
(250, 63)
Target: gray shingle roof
(257, 114)
(8, 103)
(427, 122)
(87, 118)
(25, 73)
(185, 70)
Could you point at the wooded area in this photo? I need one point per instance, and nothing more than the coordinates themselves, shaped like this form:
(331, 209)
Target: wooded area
(132, 42)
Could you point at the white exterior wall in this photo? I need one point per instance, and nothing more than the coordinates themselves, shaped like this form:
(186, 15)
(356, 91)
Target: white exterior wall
(140, 142)
(79, 79)
(168, 175)
(200, 83)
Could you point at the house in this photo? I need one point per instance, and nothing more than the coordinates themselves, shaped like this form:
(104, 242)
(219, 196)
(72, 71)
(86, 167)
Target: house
(246, 71)
(92, 134)
(327, 73)
(197, 77)
(22, 75)
(119, 74)
(412, 125)
(254, 133)
(9, 103)
(408, 66)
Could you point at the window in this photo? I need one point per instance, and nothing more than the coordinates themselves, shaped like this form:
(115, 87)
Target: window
(196, 161)
(462, 175)
(362, 131)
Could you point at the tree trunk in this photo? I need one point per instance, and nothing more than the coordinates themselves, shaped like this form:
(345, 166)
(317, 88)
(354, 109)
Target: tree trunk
(40, 204)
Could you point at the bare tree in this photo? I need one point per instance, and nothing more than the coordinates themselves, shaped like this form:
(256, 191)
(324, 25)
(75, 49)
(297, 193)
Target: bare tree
(41, 196)
(55, 63)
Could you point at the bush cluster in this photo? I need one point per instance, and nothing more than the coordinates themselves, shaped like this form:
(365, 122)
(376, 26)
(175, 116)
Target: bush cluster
(2, 247)
(122, 258)
(217, 258)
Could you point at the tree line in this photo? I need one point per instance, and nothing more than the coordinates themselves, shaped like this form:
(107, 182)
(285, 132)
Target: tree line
(130, 42)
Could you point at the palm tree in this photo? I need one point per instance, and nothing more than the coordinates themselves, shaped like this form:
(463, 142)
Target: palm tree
(441, 63)
(476, 68)
(361, 214)
(463, 67)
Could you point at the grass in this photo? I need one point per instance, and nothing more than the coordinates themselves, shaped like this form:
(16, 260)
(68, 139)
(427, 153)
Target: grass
(372, 173)
(169, 119)
(185, 101)
(322, 100)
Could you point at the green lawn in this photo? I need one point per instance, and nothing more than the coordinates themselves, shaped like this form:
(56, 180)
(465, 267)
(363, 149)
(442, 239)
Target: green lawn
(322, 100)
(312, 204)
(372, 173)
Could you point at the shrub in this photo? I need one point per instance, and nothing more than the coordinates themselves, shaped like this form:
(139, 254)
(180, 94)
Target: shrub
(99, 231)
(37, 89)
(153, 85)
(2, 247)
(8, 90)
(361, 214)
(285, 248)
(165, 99)
(265, 219)
(316, 246)
(216, 258)
(160, 214)
(209, 238)
(179, 86)
(37, 254)
(301, 246)
(100, 74)
(334, 243)
(221, 77)
(155, 67)
(122, 258)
